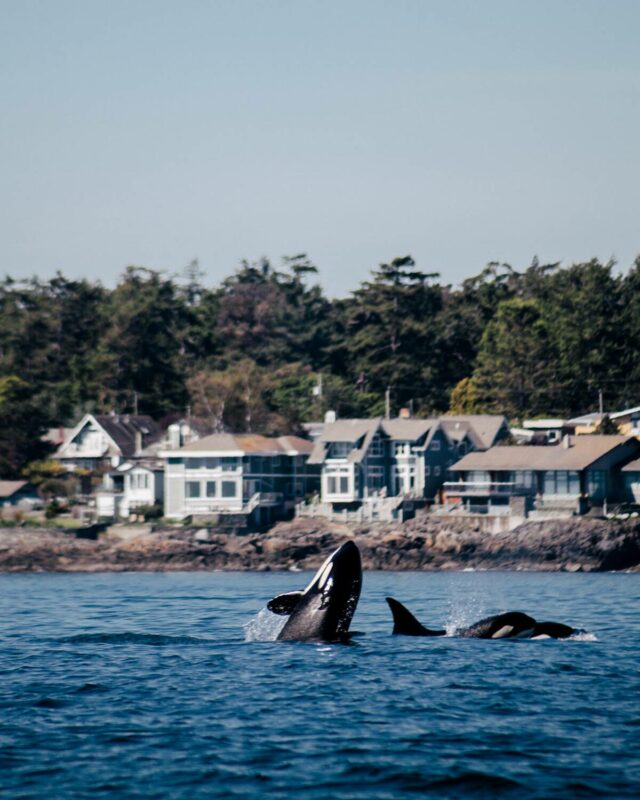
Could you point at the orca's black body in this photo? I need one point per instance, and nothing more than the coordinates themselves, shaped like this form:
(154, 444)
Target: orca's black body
(324, 610)
(510, 625)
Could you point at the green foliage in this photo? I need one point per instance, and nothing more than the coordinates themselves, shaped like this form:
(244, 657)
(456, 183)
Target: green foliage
(516, 364)
(42, 470)
(251, 353)
(22, 424)
(607, 426)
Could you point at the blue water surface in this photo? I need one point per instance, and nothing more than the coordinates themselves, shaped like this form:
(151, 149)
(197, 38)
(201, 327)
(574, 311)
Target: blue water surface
(150, 686)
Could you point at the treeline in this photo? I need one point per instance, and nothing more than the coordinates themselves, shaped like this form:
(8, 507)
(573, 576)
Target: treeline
(266, 349)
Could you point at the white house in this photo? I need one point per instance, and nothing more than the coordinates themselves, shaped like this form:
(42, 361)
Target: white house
(106, 440)
(131, 486)
(255, 476)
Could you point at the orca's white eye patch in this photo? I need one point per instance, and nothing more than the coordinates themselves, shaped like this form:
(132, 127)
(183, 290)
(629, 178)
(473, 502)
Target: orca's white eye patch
(325, 574)
(506, 630)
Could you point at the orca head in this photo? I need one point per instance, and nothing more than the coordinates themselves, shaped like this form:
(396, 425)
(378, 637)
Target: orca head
(324, 610)
(553, 630)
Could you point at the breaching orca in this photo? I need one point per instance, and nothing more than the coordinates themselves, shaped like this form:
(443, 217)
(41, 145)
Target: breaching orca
(324, 610)
(510, 625)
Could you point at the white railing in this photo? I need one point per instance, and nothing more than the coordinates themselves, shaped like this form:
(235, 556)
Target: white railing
(485, 488)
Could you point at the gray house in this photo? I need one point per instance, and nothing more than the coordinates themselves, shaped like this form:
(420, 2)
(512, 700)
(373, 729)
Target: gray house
(379, 468)
(579, 473)
(254, 477)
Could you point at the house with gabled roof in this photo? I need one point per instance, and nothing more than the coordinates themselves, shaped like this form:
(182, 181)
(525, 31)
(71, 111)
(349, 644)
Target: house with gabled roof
(579, 473)
(255, 477)
(106, 440)
(379, 468)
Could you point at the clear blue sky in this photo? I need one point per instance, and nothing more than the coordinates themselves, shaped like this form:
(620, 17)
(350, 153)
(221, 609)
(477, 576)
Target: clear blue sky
(151, 133)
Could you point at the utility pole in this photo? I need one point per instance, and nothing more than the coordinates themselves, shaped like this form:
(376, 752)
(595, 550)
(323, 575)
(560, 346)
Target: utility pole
(387, 403)
(135, 403)
(600, 401)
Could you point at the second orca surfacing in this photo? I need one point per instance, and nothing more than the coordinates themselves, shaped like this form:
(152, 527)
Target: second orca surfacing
(510, 625)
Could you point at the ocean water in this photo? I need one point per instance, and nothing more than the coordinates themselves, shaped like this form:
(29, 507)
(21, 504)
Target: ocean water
(167, 686)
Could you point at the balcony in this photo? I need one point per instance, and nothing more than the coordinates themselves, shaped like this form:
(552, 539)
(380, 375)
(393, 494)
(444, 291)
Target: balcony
(486, 489)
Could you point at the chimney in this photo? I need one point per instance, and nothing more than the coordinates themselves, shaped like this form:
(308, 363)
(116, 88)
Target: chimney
(405, 413)
(138, 447)
(330, 417)
(566, 441)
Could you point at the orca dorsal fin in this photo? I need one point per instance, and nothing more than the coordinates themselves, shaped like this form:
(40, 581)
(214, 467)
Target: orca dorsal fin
(405, 624)
(284, 604)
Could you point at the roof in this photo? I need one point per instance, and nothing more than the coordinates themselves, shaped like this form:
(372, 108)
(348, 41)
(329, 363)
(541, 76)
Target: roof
(361, 432)
(586, 419)
(543, 424)
(583, 452)
(348, 430)
(295, 445)
(632, 466)
(485, 427)
(408, 429)
(248, 444)
(9, 488)
(626, 412)
(122, 429)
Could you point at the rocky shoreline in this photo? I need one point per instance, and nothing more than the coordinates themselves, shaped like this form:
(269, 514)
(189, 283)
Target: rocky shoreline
(424, 543)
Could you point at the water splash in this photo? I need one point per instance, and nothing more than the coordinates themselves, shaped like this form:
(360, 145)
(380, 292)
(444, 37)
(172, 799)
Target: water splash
(583, 636)
(264, 627)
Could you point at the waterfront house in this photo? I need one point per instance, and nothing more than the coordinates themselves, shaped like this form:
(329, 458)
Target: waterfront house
(579, 473)
(255, 477)
(379, 468)
(129, 487)
(106, 440)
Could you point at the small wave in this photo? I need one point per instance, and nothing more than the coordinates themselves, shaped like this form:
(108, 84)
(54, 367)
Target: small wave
(264, 627)
(153, 639)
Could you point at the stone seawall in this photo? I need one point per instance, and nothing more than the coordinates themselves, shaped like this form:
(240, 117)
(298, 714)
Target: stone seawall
(424, 543)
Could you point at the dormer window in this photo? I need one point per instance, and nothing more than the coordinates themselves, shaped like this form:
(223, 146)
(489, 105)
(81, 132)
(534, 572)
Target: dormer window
(340, 449)
(375, 448)
(402, 448)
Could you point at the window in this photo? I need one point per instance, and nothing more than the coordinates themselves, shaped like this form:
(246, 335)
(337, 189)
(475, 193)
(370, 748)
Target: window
(228, 488)
(435, 444)
(228, 464)
(194, 463)
(174, 460)
(524, 478)
(427, 471)
(402, 448)
(340, 449)
(436, 471)
(597, 483)
(338, 481)
(375, 478)
(211, 488)
(193, 488)
(376, 447)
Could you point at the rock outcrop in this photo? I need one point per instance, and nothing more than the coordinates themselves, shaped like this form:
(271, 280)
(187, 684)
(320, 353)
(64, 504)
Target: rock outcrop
(424, 543)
